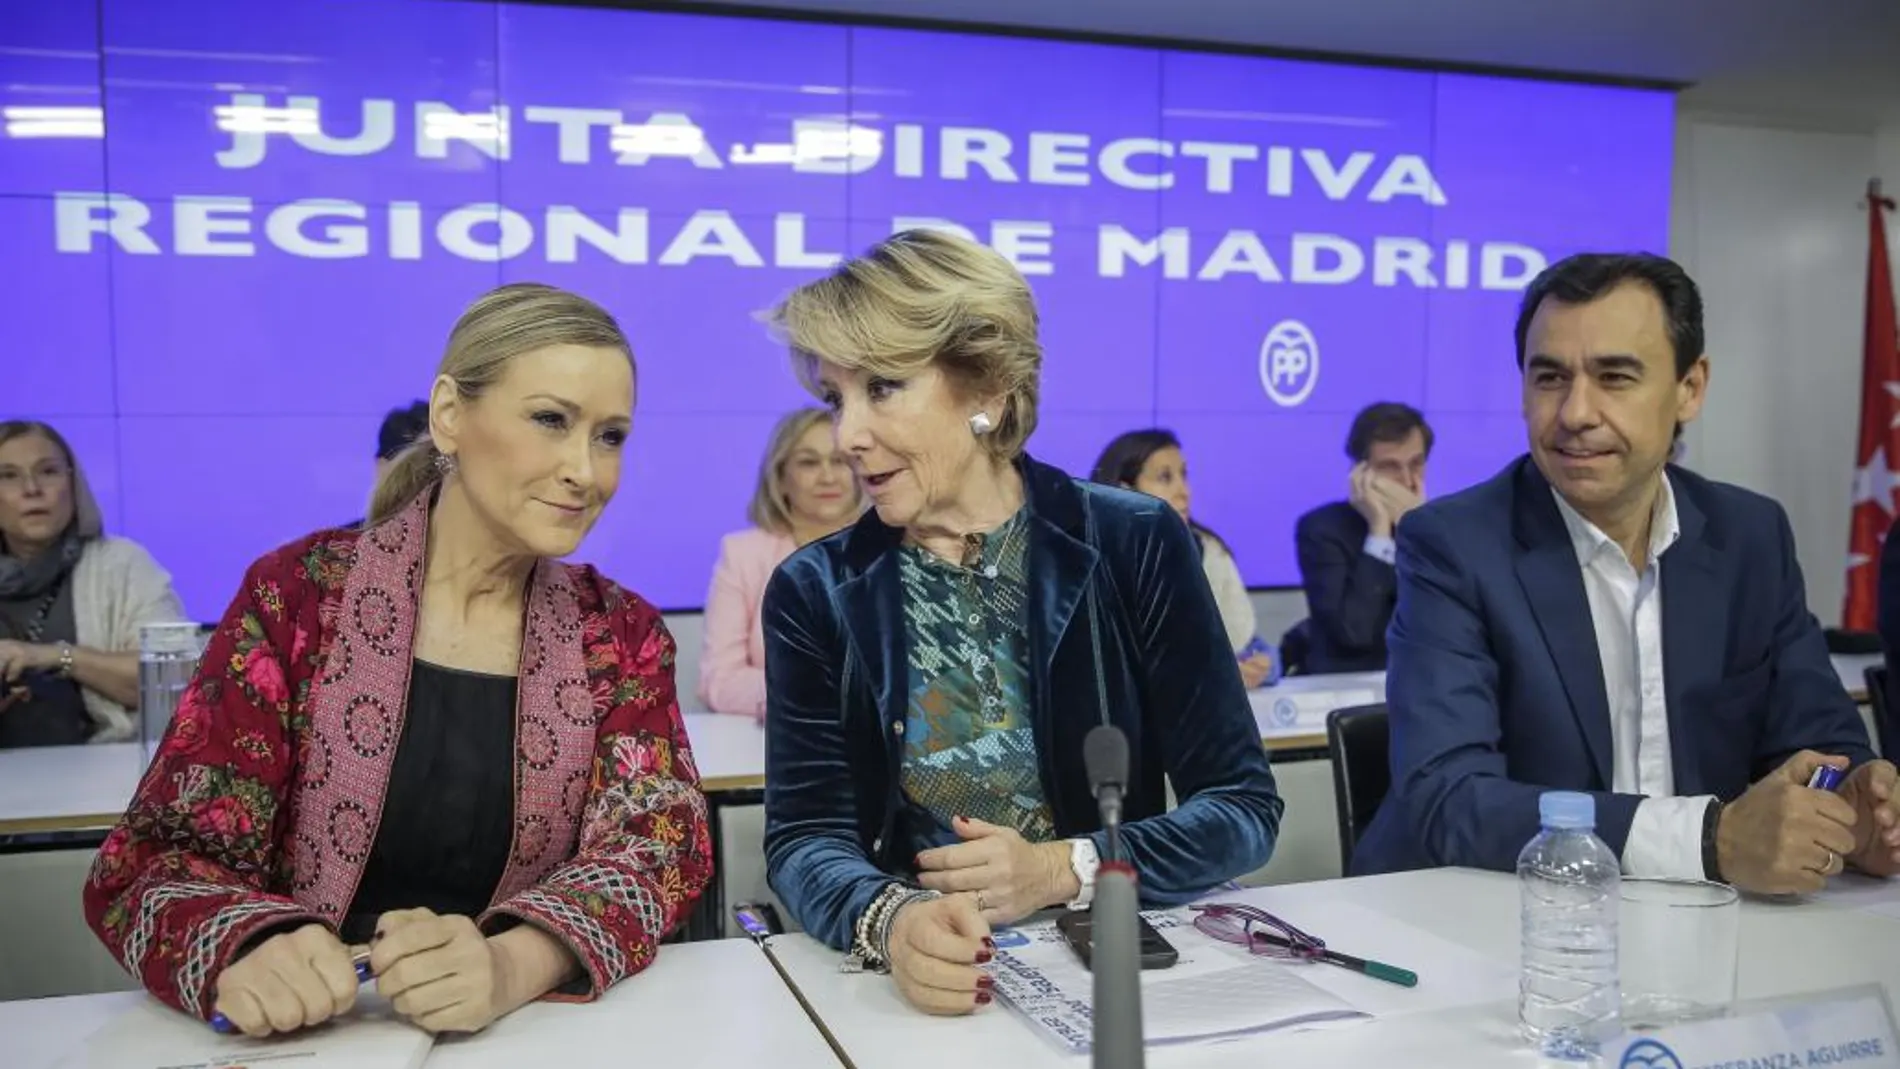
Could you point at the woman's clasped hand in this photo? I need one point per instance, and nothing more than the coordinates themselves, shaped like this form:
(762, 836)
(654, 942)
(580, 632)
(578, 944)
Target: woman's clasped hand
(1007, 877)
(937, 949)
(439, 973)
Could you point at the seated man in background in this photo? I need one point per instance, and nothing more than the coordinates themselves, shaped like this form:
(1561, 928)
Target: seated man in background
(1346, 549)
(401, 426)
(1591, 619)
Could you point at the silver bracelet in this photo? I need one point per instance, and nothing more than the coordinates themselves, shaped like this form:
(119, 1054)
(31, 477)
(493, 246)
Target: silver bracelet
(871, 934)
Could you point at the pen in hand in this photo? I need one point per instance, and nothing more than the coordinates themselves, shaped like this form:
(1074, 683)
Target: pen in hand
(359, 959)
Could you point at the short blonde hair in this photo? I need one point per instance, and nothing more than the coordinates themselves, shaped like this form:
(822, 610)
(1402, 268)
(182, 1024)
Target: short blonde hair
(923, 297)
(771, 508)
(87, 522)
(503, 323)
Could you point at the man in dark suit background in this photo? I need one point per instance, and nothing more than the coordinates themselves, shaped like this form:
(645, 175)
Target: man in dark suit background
(1345, 547)
(1593, 620)
(1887, 622)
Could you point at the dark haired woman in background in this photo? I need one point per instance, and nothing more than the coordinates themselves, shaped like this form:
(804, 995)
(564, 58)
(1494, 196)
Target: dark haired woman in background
(71, 600)
(1151, 461)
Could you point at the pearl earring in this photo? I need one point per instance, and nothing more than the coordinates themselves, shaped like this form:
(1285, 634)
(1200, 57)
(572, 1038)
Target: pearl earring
(980, 424)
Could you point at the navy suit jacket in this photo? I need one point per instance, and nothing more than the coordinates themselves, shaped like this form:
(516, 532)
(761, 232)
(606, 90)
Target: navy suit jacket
(1888, 624)
(1349, 592)
(838, 825)
(1496, 690)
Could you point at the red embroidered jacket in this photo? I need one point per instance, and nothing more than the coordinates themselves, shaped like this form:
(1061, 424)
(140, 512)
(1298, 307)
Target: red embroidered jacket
(262, 801)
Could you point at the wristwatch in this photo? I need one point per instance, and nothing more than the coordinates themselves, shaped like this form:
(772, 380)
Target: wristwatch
(1083, 861)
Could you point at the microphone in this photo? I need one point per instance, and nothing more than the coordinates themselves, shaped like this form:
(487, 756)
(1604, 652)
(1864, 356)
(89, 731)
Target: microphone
(1105, 756)
(1114, 926)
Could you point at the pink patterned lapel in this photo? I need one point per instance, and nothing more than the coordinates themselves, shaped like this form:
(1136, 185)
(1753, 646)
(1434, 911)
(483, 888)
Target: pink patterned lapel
(555, 727)
(356, 712)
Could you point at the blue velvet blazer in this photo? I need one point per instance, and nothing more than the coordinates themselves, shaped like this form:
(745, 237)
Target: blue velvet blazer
(837, 824)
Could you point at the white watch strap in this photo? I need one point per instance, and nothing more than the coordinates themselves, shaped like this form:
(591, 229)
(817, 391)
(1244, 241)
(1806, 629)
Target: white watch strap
(1083, 860)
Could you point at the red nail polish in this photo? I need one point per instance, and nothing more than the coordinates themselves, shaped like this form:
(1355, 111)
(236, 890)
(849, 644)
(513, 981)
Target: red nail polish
(988, 943)
(983, 957)
(985, 983)
(982, 998)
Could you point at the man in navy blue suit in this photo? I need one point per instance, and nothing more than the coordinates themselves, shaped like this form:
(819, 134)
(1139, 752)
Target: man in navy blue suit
(1345, 548)
(1593, 619)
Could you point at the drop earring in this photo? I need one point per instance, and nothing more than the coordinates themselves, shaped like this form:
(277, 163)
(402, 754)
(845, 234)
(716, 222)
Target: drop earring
(980, 424)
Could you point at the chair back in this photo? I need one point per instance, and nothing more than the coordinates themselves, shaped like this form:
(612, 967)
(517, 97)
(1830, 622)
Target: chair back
(1885, 734)
(1359, 743)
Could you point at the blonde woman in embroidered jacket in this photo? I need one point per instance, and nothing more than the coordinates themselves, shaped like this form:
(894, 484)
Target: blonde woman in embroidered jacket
(72, 600)
(428, 739)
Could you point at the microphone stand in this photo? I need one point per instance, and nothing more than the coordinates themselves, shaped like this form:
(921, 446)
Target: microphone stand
(1115, 954)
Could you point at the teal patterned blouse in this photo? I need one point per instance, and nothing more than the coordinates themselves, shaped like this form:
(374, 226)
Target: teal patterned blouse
(969, 748)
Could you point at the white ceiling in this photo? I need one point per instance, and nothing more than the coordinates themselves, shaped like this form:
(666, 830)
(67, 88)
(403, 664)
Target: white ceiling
(1823, 63)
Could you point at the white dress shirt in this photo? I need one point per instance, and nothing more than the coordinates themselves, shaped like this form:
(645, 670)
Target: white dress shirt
(1383, 547)
(1665, 838)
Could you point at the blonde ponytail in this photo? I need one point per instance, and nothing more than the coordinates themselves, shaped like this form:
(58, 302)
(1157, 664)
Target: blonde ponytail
(502, 324)
(412, 472)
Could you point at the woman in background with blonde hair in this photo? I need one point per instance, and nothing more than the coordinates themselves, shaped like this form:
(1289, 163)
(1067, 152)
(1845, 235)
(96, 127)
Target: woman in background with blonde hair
(428, 740)
(72, 600)
(805, 491)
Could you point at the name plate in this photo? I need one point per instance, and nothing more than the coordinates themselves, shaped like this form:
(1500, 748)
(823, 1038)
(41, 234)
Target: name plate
(1847, 1028)
(1304, 712)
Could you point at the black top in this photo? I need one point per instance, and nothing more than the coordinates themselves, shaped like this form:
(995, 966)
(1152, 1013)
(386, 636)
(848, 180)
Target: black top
(448, 819)
(54, 713)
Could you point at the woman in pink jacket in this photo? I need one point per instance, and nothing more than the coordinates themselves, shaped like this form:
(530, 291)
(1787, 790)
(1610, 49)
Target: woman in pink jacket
(805, 492)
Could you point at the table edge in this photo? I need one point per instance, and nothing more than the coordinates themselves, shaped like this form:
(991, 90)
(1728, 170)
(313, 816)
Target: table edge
(59, 823)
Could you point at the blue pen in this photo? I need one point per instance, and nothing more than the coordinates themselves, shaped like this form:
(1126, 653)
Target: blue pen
(223, 1026)
(1825, 778)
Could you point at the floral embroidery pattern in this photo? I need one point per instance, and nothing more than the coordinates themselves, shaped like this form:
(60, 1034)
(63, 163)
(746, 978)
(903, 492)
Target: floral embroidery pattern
(205, 856)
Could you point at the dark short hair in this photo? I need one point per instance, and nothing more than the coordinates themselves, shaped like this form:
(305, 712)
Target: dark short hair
(401, 427)
(1387, 421)
(1587, 276)
(1121, 462)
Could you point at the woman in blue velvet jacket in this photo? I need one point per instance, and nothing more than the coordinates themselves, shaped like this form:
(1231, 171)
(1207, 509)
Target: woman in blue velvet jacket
(931, 670)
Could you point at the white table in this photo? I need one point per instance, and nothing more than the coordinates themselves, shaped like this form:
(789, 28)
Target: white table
(1785, 949)
(1852, 668)
(713, 1004)
(1291, 714)
(67, 788)
(729, 750)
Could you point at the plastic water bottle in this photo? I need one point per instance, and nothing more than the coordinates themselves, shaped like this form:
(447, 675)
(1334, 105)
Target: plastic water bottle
(168, 658)
(1568, 1000)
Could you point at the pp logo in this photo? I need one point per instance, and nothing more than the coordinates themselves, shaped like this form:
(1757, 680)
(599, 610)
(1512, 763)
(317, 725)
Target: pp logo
(1649, 1054)
(1289, 362)
(1285, 713)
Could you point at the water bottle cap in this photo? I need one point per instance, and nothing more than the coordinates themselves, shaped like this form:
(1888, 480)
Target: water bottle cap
(1567, 809)
(169, 639)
